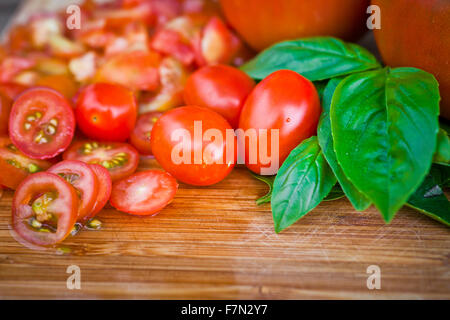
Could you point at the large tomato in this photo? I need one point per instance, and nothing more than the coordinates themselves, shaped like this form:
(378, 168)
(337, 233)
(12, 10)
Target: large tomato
(284, 101)
(416, 33)
(264, 22)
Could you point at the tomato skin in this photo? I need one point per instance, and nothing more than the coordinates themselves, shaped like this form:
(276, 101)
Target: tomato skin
(202, 173)
(5, 110)
(65, 207)
(286, 101)
(140, 137)
(105, 154)
(86, 183)
(409, 39)
(220, 88)
(12, 90)
(52, 106)
(104, 188)
(144, 193)
(106, 112)
(265, 22)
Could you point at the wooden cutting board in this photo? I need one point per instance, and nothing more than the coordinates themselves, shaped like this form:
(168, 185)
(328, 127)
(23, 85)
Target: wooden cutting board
(215, 243)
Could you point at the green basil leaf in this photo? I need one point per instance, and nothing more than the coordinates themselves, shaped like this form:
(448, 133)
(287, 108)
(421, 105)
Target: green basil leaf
(442, 155)
(429, 199)
(316, 58)
(302, 182)
(269, 181)
(359, 201)
(320, 87)
(384, 125)
(335, 193)
(441, 174)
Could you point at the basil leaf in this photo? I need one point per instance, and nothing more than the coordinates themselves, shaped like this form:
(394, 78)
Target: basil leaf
(442, 155)
(320, 87)
(335, 193)
(269, 181)
(384, 125)
(302, 182)
(431, 200)
(441, 174)
(359, 201)
(316, 58)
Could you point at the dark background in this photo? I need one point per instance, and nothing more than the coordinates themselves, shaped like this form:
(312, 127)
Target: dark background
(7, 8)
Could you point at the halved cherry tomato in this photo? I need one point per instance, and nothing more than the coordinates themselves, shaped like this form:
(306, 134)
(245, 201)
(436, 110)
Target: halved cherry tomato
(106, 112)
(11, 66)
(15, 166)
(144, 193)
(12, 90)
(83, 179)
(62, 83)
(120, 159)
(137, 70)
(220, 88)
(44, 209)
(104, 188)
(196, 145)
(140, 137)
(42, 123)
(284, 101)
(5, 109)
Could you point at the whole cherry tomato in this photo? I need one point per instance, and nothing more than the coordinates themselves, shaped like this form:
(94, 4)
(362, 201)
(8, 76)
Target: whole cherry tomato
(285, 101)
(140, 137)
(196, 145)
(220, 88)
(106, 112)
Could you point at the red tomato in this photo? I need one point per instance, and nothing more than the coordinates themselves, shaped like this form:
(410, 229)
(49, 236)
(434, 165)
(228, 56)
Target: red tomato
(140, 137)
(220, 88)
(285, 101)
(137, 70)
(83, 179)
(184, 149)
(15, 166)
(42, 123)
(44, 209)
(106, 112)
(121, 159)
(144, 193)
(104, 188)
(12, 90)
(1, 191)
(62, 83)
(171, 42)
(5, 109)
(11, 66)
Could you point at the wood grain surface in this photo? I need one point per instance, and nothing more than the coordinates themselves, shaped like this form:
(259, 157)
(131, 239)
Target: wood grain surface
(215, 243)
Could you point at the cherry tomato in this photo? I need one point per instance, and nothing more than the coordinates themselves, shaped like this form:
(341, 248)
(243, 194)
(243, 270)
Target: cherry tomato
(12, 66)
(106, 112)
(140, 137)
(120, 159)
(83, 179)
(144, 193)
(137, 70)
(104, 188)
(5, 109)
(1, 191)
(220, 88)
(285, 101)
(181, 144)
(12, 90)
(61, 83)
(15, 166)
(42, 123)
(44, 209)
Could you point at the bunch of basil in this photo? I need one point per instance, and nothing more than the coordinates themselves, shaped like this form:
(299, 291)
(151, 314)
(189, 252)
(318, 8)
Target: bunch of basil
(377, 137)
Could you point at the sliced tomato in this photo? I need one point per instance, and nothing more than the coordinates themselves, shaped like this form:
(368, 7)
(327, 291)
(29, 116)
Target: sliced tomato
(83, 179)
(120, 159)
(12, 90)
(144, 193)
(140, 137)
(137, 70)
(62, 83)
(171, 42)
(19, 39)
(5, 109)
(44, 209)
(15, 166)
(42, 123)
(11, 66)
(104, 188)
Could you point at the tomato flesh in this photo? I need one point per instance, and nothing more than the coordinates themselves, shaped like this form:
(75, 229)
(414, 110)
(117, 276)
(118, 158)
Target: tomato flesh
(140, 137)
(104, 188)
(5, 110)
(83, 179)
(12, 90)
(120, 159)
(42, 123)
(144, 193)
(44, 209)
(15, 166)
